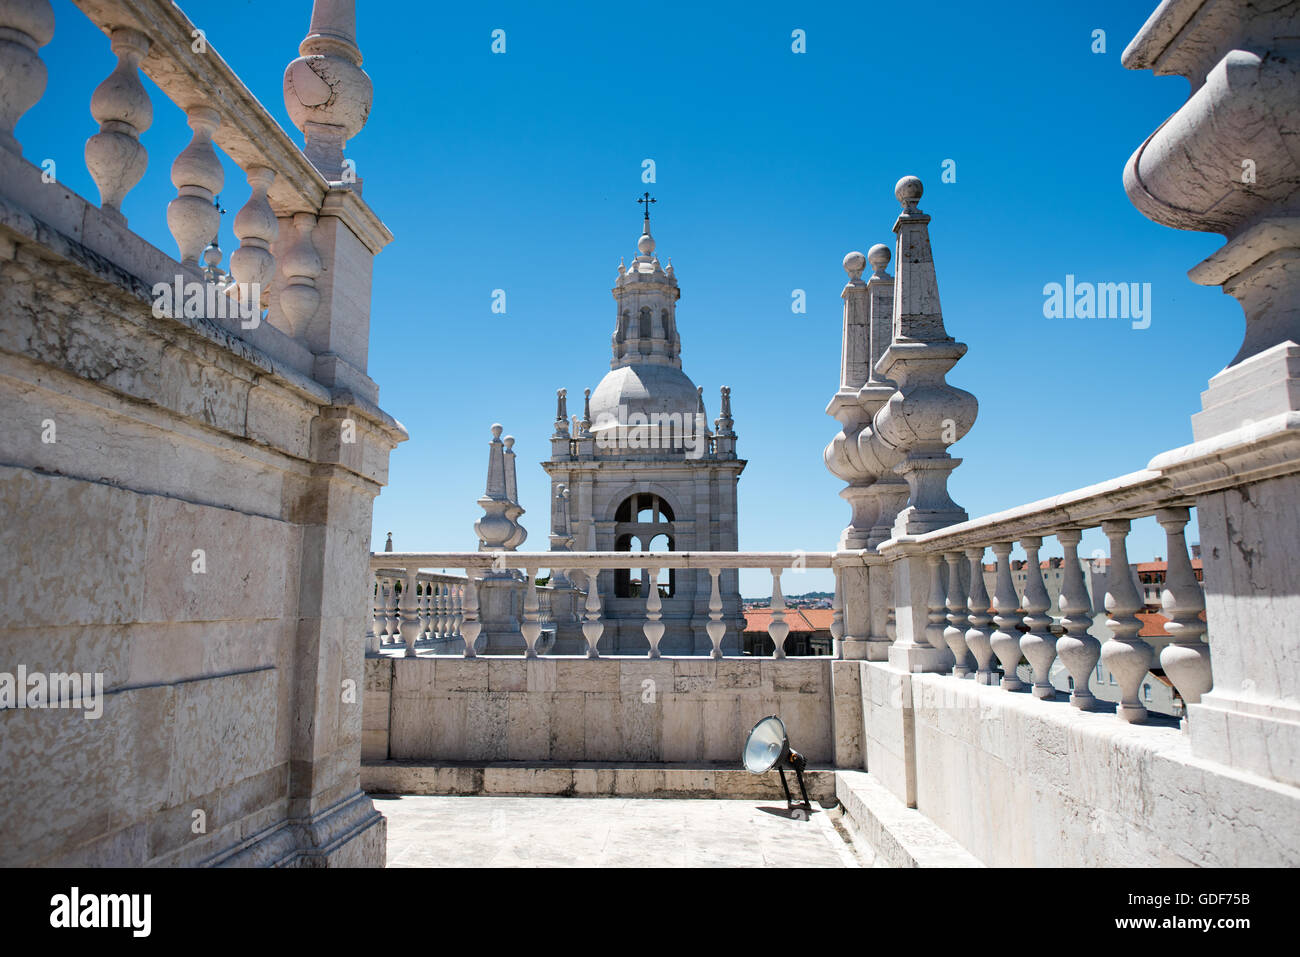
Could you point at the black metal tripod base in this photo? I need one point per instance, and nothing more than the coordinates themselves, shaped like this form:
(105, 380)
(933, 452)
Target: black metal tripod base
(805, 807)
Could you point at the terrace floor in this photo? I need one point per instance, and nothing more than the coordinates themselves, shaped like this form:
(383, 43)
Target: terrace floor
(436, 831)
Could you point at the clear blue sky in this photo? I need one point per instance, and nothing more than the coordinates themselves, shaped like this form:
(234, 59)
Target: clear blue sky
(520, 171)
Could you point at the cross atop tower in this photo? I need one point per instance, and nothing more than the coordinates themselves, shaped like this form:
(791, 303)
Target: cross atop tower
(647, 200)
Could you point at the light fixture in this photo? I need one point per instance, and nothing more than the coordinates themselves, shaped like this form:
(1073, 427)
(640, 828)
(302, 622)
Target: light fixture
(768, 746)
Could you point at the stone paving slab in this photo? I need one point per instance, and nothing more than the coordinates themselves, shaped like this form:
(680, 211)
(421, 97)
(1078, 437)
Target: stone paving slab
(439, 831)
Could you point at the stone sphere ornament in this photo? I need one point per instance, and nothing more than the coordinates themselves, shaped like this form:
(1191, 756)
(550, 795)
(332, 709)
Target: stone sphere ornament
(908, 191)
(854, 263)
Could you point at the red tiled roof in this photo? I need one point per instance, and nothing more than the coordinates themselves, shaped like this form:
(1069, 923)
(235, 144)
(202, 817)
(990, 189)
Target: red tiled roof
(1162, 566)
(1153, 624)
(819, 618)
(799, 619)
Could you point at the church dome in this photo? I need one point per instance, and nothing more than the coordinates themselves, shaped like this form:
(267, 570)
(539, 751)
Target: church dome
(642, 389)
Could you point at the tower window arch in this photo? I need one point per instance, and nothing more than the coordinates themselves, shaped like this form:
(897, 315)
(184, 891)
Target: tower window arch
(651, 519)
(644, 507)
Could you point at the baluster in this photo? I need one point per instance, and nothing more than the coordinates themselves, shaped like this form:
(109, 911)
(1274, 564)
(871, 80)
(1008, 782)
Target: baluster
(653, 627)
(392, 617)
(457, 610)
(372, 621)
(954, 636)
(381, 612)
(1005, 640)
(777, 628)
(299, 297)
(121, 107)
(430, 610)
(891, 624)
(253, 264)
(1124, 654)
(531, 626)
(436, 626)
(837, 615)
(409, 613)
(26, 27)
(936, 613)
(471, 626)
(198, 176)
(446, 614)
(716, 629)
(1077, 649)
(592, 627)
(977, 635)
(1038, 645)
(1187, 659)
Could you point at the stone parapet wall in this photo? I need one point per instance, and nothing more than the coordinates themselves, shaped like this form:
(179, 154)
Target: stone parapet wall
(1023, 782)
(576, 709)
(141, 449)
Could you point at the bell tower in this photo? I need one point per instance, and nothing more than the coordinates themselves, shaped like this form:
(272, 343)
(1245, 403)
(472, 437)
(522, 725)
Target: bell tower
(643, 471)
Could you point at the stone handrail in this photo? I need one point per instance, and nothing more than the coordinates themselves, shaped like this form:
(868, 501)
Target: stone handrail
(956, 606)
(409, 617)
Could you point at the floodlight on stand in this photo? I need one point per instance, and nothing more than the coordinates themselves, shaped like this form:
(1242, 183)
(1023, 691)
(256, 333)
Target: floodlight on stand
(768, 747)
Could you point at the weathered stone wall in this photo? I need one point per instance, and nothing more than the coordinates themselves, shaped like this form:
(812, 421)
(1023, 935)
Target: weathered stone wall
(1022, 782)
(578, 709)
(226, 689)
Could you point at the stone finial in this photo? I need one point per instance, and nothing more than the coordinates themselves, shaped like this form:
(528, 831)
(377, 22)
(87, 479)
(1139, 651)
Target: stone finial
(561, 412)
(908, 191)
(388, 545)
(699, 392)
(512, 492)
(854, 263)
(326, 92)
(496, 478)
(514, 509)
(879, 256)
(723, 423)
(586, 411)
(497, 528)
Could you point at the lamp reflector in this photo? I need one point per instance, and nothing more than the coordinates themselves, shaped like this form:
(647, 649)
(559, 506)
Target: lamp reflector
(766, 746)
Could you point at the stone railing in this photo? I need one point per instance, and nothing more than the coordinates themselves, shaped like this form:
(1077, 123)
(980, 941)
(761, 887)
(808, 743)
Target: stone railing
(288, 226)
(952, 618)
(438, 602)
(433, 607)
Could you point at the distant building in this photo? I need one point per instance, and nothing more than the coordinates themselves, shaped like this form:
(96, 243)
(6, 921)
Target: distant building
(810, 632)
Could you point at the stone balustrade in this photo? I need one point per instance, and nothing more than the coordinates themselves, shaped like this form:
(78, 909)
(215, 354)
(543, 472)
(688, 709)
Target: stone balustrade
(297, 222)
(427, 611)
(226, 412)
(1000, 630)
